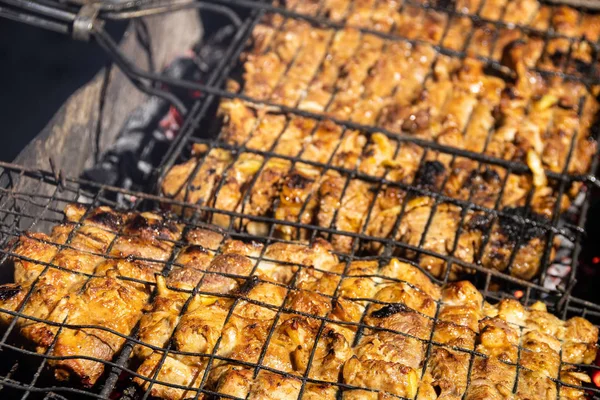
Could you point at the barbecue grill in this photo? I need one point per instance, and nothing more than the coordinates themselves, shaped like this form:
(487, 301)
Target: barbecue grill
(24, 372)
(33, 199)
(563, 179)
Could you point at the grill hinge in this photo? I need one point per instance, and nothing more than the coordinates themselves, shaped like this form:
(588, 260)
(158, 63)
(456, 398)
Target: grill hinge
(85, 20)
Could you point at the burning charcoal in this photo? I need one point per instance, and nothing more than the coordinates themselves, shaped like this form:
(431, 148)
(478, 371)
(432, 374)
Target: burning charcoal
(147, 134)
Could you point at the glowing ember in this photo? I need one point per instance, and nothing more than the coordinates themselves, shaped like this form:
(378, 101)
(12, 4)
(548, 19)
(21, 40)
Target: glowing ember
(596, 378)
(519, 294)
(596, 260)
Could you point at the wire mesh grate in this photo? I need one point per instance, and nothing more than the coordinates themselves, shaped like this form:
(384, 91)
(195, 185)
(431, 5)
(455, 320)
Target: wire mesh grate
(474, 211)
(272, 278)
(278, 128)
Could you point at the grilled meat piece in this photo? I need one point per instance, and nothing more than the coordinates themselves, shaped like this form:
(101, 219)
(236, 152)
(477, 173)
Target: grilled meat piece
(352, 213)
(498, 339)
(197, 180)
(407, 273)
(264, 193)
(353, 75)
(291, 344)
(267, 132)
(172, 371)
(336, 9)
(441, 237)
(263, 71)
(300, 72)
(280, 261)
(157, 325)
(105, 302)
(384, 214)
(390, 377)
(297, 131)
(526, 240)
(231, 192)
(330, 196)
(321, 145)
(348, 153)
(492, 379)
(238, 121)
(296, 201)
(322, 88)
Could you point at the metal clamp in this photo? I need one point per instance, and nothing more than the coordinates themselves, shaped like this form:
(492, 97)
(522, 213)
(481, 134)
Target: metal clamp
(84, 21)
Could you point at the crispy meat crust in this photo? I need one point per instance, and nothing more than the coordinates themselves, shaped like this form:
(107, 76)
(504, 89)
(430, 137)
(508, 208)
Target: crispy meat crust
(387, 358)
(512, 113)
(280, 313)
(102, 278)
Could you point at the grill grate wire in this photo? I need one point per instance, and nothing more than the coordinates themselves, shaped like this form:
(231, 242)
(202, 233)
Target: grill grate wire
(27, 209)
(22, 209)
(562, 180)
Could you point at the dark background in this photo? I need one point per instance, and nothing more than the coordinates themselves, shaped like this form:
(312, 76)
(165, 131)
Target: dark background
(39, 70)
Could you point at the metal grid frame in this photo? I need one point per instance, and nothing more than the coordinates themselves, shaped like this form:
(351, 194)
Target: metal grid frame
(33, 201)
(28, 209)
(563, 180)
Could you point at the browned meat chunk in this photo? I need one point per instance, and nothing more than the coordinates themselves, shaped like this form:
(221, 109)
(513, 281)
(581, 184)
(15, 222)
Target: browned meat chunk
(225, 306)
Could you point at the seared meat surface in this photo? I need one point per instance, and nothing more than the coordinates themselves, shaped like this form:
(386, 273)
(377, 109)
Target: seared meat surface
(225, 306)
(387, 357)
(101, 276)
(301, 195)
(508, 111)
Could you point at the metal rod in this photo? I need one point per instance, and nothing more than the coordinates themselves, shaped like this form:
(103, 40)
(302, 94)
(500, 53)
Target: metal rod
(35, 7)
(106, 42)
(184, 5)
(32, 20)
